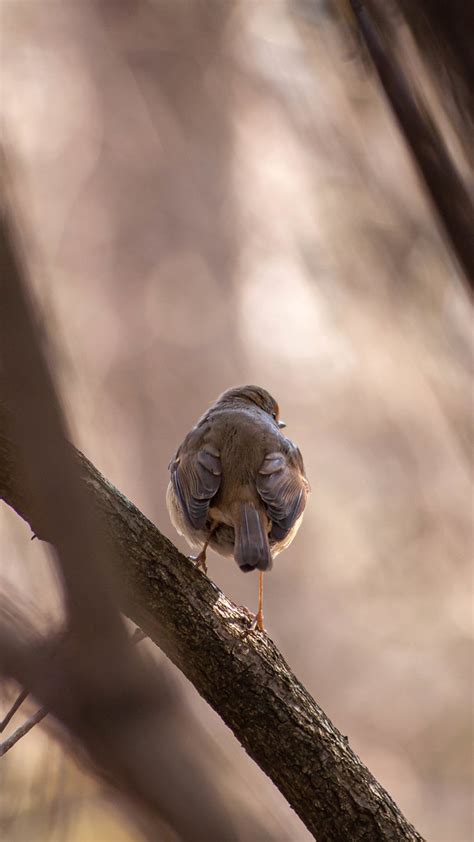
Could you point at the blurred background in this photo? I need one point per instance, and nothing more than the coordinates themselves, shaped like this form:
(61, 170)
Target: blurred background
(213, 194)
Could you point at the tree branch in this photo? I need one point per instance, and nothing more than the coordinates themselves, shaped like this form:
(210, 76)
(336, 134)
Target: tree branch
(22, 730)
(245, 679)
(444, 185)
(11, 713)
(137, 636)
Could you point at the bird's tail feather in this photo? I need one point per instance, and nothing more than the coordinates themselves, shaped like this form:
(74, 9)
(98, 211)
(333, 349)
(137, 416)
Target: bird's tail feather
(251, 547)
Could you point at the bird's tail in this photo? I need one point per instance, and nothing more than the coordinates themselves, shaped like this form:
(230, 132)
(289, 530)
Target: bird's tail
(251, 547)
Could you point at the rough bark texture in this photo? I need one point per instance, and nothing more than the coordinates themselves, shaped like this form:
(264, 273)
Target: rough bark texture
(245, 679)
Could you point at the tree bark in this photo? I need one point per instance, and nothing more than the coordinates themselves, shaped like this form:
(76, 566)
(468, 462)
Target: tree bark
(244, 678)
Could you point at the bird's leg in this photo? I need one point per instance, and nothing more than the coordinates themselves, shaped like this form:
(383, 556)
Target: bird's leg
(256, 619)
(259, 615)
(200, 559)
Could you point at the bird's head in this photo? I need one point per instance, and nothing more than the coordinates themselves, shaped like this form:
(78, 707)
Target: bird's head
(253, 395)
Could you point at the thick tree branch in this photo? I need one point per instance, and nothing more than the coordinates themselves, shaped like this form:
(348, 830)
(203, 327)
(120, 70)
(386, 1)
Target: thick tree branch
(245, 679)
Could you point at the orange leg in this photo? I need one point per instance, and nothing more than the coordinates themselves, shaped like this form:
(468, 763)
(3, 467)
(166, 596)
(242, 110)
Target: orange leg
(200, 559)
(256, 619)
(259, 615)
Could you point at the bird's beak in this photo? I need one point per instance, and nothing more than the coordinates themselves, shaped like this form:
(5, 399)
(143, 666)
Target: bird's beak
(281, 424)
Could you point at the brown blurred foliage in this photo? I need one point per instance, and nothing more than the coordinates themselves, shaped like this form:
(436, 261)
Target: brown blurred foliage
(216, 193)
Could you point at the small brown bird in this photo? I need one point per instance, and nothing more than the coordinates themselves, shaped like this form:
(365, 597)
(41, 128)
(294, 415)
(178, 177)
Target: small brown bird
(238, 484)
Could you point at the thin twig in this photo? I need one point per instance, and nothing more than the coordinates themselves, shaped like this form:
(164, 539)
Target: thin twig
(11, 713)
(22, 730)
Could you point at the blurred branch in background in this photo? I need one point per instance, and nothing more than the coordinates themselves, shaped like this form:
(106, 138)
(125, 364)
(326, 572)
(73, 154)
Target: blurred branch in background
(36, 717)
(445, 186)
(11, 713)
(444, 33)
(91, 680)
(22, 730)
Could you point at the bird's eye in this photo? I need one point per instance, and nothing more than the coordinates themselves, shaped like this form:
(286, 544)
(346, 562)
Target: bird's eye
(274, 416)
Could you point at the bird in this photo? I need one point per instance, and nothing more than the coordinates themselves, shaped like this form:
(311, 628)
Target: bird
(238, 484)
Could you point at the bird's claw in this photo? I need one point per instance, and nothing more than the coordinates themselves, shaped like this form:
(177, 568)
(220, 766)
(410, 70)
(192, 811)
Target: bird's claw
(138, 635)
(199, 561)
(255, 621)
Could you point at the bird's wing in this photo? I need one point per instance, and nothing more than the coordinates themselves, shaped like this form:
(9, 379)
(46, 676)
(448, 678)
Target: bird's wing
(196, 477)
(283, 487)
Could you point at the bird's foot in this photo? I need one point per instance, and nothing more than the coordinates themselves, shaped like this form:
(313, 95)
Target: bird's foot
(255, 620)
(138, 635)
(199, 560)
